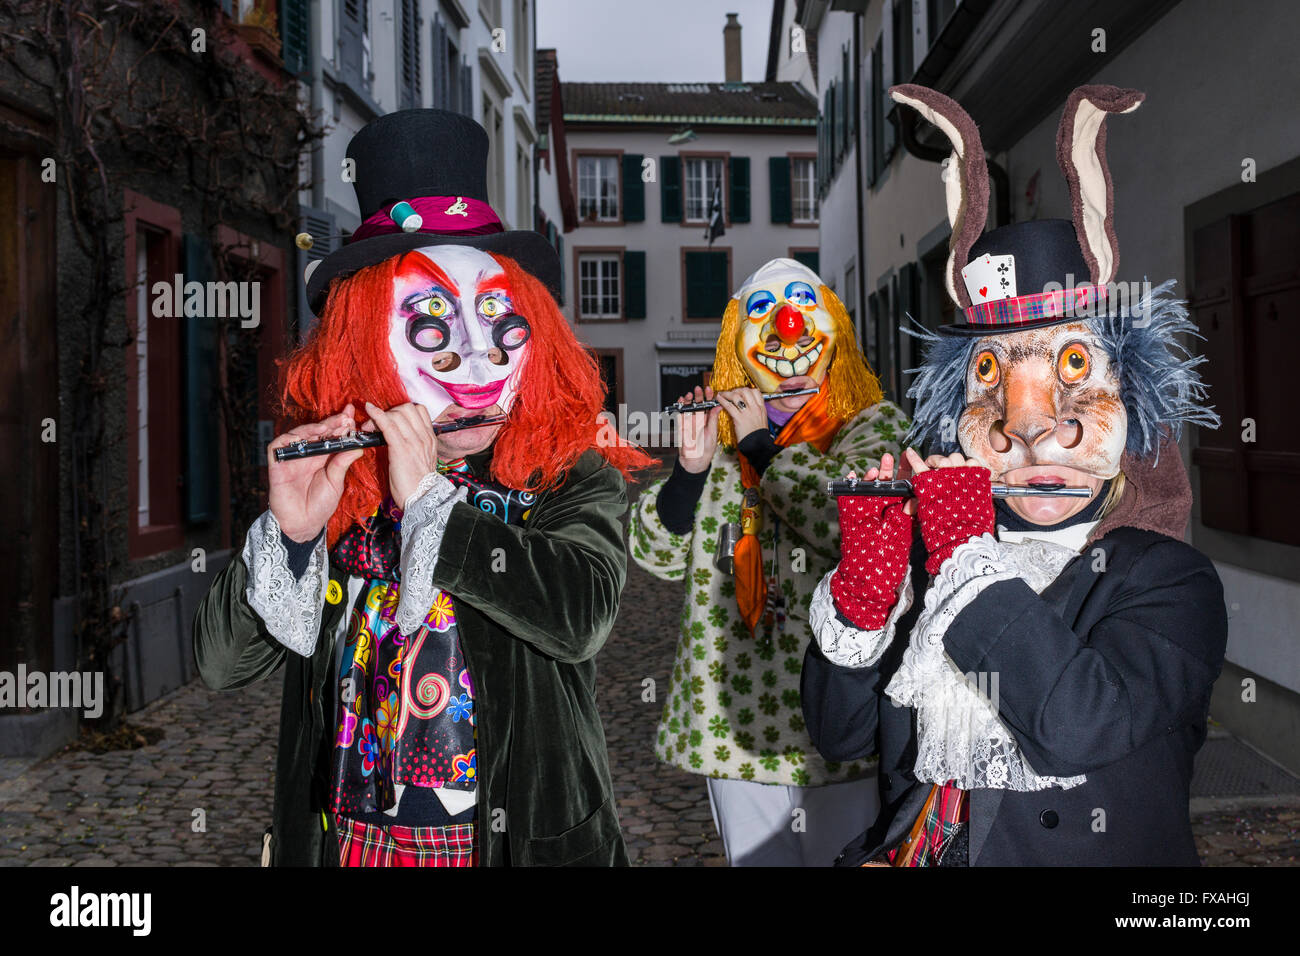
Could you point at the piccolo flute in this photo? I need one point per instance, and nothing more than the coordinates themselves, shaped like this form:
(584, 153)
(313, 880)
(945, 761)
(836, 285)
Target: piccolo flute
(714, 403)
(902, 488)
(327, 446)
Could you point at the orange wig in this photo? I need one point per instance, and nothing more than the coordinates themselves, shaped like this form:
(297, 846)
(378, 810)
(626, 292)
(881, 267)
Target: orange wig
(550, 425)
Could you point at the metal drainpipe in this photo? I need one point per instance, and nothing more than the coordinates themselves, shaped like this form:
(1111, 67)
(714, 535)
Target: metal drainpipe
(858, 159)
(317, 106)
(1001, 181)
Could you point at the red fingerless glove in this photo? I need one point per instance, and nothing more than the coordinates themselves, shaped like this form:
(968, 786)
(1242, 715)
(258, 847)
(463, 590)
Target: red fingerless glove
(875, 542)
(955, 505)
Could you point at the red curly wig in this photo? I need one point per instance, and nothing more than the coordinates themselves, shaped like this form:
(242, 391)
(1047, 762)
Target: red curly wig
(552, 422)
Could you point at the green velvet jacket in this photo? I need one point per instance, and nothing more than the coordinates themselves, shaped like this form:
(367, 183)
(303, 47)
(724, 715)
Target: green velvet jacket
(529, 634)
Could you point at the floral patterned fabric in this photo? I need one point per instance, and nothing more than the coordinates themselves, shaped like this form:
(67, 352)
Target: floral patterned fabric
(417, 731)
(406, 703)
(732, 708)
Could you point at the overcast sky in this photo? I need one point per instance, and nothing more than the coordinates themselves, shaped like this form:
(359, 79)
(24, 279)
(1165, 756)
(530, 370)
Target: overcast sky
(651, 41)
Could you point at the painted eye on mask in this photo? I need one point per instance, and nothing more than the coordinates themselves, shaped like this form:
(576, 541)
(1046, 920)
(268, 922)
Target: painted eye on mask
(986, 368)
(1073, 364)
(759, 305)
(434, 305)
(801, 295)
(493, 306)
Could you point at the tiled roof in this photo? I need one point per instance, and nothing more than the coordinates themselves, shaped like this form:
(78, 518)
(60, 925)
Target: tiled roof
(546, 66)
(757, 104)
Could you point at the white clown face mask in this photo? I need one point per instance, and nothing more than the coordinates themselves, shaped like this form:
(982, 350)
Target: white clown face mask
(786, 337)
(454, 334)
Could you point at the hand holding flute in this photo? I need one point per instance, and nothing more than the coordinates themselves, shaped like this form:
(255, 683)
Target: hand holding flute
(306, 490)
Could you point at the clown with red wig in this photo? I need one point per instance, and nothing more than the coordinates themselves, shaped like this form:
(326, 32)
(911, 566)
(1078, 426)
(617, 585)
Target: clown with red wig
(435, 603)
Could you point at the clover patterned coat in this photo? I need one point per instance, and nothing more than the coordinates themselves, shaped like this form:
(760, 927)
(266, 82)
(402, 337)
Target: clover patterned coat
(733, 707)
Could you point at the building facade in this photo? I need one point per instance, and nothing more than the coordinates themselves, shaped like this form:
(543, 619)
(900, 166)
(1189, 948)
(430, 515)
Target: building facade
(644, 286)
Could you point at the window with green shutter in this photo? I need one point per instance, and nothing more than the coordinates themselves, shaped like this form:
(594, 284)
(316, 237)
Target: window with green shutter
(670, 188)
(634, 285)
(200, 350)
(809, 257)
(411, 94)
(559, 251)
(708, 284)
(633, 188)
(778, 171)
(295, 35)
(740, 189)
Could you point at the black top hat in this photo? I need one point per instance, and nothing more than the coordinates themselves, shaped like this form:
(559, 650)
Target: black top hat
(1046, 255)
(421, 180)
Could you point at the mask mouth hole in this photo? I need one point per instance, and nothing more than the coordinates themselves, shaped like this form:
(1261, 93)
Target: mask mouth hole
(1069, 433)
(998, 439)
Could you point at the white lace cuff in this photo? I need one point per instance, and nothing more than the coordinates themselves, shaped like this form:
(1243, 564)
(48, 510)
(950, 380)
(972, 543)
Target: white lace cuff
(424, 519)
(841, 642)
(289, 606)
(960, 735)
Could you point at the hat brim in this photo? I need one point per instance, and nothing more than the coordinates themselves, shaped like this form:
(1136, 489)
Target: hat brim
(530, 249)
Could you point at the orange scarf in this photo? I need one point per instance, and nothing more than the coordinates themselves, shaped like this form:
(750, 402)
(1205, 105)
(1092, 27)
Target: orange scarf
(814, 424)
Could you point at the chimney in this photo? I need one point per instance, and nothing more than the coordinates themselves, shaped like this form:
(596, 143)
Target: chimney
(731, 48)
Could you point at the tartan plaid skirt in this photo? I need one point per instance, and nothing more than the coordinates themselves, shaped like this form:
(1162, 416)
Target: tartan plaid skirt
(363, 844)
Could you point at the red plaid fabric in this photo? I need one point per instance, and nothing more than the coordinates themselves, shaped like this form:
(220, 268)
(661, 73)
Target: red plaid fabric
(362, 844)
(946, 808)
(1081, 301)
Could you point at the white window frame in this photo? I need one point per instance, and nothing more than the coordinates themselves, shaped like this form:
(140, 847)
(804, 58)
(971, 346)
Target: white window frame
(595, 169)
(695, 179)
(602, 275)
(803, 190)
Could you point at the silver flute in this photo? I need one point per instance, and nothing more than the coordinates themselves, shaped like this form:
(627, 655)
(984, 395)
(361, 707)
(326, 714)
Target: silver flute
(714, 403)
(902, 488)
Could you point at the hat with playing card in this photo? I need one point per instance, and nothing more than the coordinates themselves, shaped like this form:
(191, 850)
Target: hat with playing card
(1029, 274)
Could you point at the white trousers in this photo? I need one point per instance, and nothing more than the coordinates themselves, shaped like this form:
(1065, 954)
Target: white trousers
(761, 823)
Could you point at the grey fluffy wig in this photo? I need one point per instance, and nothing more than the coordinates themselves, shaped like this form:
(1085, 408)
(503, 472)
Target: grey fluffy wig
(1158, 381)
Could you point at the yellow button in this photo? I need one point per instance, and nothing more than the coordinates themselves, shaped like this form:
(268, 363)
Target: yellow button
(334, 593)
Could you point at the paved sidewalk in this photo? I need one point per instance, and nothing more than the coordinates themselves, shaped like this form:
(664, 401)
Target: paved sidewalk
(139, 807)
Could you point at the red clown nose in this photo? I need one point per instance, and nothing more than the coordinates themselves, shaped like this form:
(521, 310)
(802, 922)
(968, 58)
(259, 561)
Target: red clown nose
(789, 324)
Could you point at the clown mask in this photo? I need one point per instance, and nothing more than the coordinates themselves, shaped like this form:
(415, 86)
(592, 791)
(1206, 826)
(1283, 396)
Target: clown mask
(786, 337)
(458, 344)
(1043, 406)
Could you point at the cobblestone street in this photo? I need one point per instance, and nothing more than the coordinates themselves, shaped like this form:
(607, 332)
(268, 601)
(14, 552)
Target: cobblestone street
(216, 764)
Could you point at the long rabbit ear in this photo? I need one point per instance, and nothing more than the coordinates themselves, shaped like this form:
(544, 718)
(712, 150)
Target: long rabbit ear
(1081, 153)
(967, 177)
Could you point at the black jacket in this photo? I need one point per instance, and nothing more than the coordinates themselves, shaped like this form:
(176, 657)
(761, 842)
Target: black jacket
(1106, 673)
(529, 635)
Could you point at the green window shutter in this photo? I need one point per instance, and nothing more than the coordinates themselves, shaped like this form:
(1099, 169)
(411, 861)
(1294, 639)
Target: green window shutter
(740, 189)
(634, 284)
(670, 188)
(295, 34)
(633, 188)
(200, 357)
(778, 168)
(812, 259)
(887, 79)
(706, 285)
(559, 250)
(871, 114)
